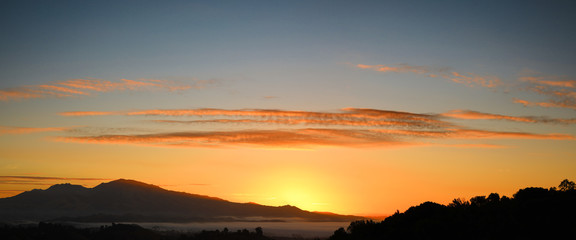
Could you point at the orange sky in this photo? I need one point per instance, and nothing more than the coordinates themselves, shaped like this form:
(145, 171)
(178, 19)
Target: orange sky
(350, 107)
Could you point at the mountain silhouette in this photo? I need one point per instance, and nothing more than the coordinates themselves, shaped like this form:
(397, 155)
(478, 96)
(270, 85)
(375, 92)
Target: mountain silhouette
(133, 201)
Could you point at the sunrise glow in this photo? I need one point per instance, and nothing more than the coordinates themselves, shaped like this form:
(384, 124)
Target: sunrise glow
(351, 107)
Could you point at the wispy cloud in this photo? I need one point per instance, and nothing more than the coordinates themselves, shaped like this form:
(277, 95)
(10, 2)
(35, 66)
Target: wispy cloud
(301, 138)
(399, 68)
(40, 181)
(306, 138)
(350, 127)
(462, 133)
(468, 79)
(476, 134)
(43, 180)
(471, 79)
(88, 113)
(88, 87)
(559, 90)
(346, 116)
(549, 104)
(28, 130)
(555, 81)
(467, 114)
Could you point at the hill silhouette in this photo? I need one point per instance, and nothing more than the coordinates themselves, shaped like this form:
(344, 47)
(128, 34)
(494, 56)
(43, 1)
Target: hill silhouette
(132, 201)
(532, 213)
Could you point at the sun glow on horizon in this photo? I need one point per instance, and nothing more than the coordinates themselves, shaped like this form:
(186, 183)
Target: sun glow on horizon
(351, 108)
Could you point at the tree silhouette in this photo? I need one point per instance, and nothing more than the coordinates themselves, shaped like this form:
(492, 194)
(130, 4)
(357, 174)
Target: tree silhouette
(259, 231)
(458, 202)
(567, 185)
(533, 213)
(493, 198)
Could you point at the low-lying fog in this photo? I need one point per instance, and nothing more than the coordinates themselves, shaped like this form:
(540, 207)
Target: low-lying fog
(283, 229)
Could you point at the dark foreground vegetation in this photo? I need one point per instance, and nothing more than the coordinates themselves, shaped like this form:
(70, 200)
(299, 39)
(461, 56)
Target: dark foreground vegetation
(51, 231)
(532, 213)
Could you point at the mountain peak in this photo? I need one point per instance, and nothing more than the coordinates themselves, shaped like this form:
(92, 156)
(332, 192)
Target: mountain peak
(66, 187)
(126, 183)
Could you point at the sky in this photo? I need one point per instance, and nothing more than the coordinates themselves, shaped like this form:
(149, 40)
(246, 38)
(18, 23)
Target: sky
(354, 107)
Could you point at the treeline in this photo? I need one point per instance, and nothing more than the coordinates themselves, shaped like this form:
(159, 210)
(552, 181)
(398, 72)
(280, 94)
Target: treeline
(532, 213)
(53, 231)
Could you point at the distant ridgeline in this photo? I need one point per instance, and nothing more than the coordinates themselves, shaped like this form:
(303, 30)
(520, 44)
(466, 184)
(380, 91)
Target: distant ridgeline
(533, 213)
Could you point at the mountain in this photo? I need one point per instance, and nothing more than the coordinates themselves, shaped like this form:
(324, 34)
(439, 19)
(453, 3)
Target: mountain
(132, 201)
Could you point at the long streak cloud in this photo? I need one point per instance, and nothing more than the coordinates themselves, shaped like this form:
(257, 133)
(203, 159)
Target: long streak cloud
(88, 87)
(350, 127)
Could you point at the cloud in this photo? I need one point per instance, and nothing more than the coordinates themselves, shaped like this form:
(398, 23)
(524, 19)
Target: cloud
(43, 180)
(28, 130)
(467, 114)
(259, 138)
(477, 134)
(346, 117)
(39, 181)
(549, 104)
(468, 79)
(490, 146)
(36, 178)
(559, 90)
(305, 138)
(348, 127)
(471, 79)
(400, 68)
(88, 87)
(296, 122)
(555, 81)
(462, 133)
(88, 113)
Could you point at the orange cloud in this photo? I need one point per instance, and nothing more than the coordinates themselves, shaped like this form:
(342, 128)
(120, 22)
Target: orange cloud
(346, 117)
(32, 178)
(470, 145)
(467, 114)
(87, 113)
(62, 89)
(555, 81)
(304, 138)
(400, 68)
(8, 94)
(85, 87)
(294, 122)
(28, 130)
(559, 90)
(469, 79)
(352, 127)
(347, 113)
(40, 181)
(555, 104)
(475, 134)
(262, 138)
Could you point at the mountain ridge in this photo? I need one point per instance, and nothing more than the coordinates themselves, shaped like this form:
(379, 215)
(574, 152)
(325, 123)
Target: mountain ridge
(133, 201)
